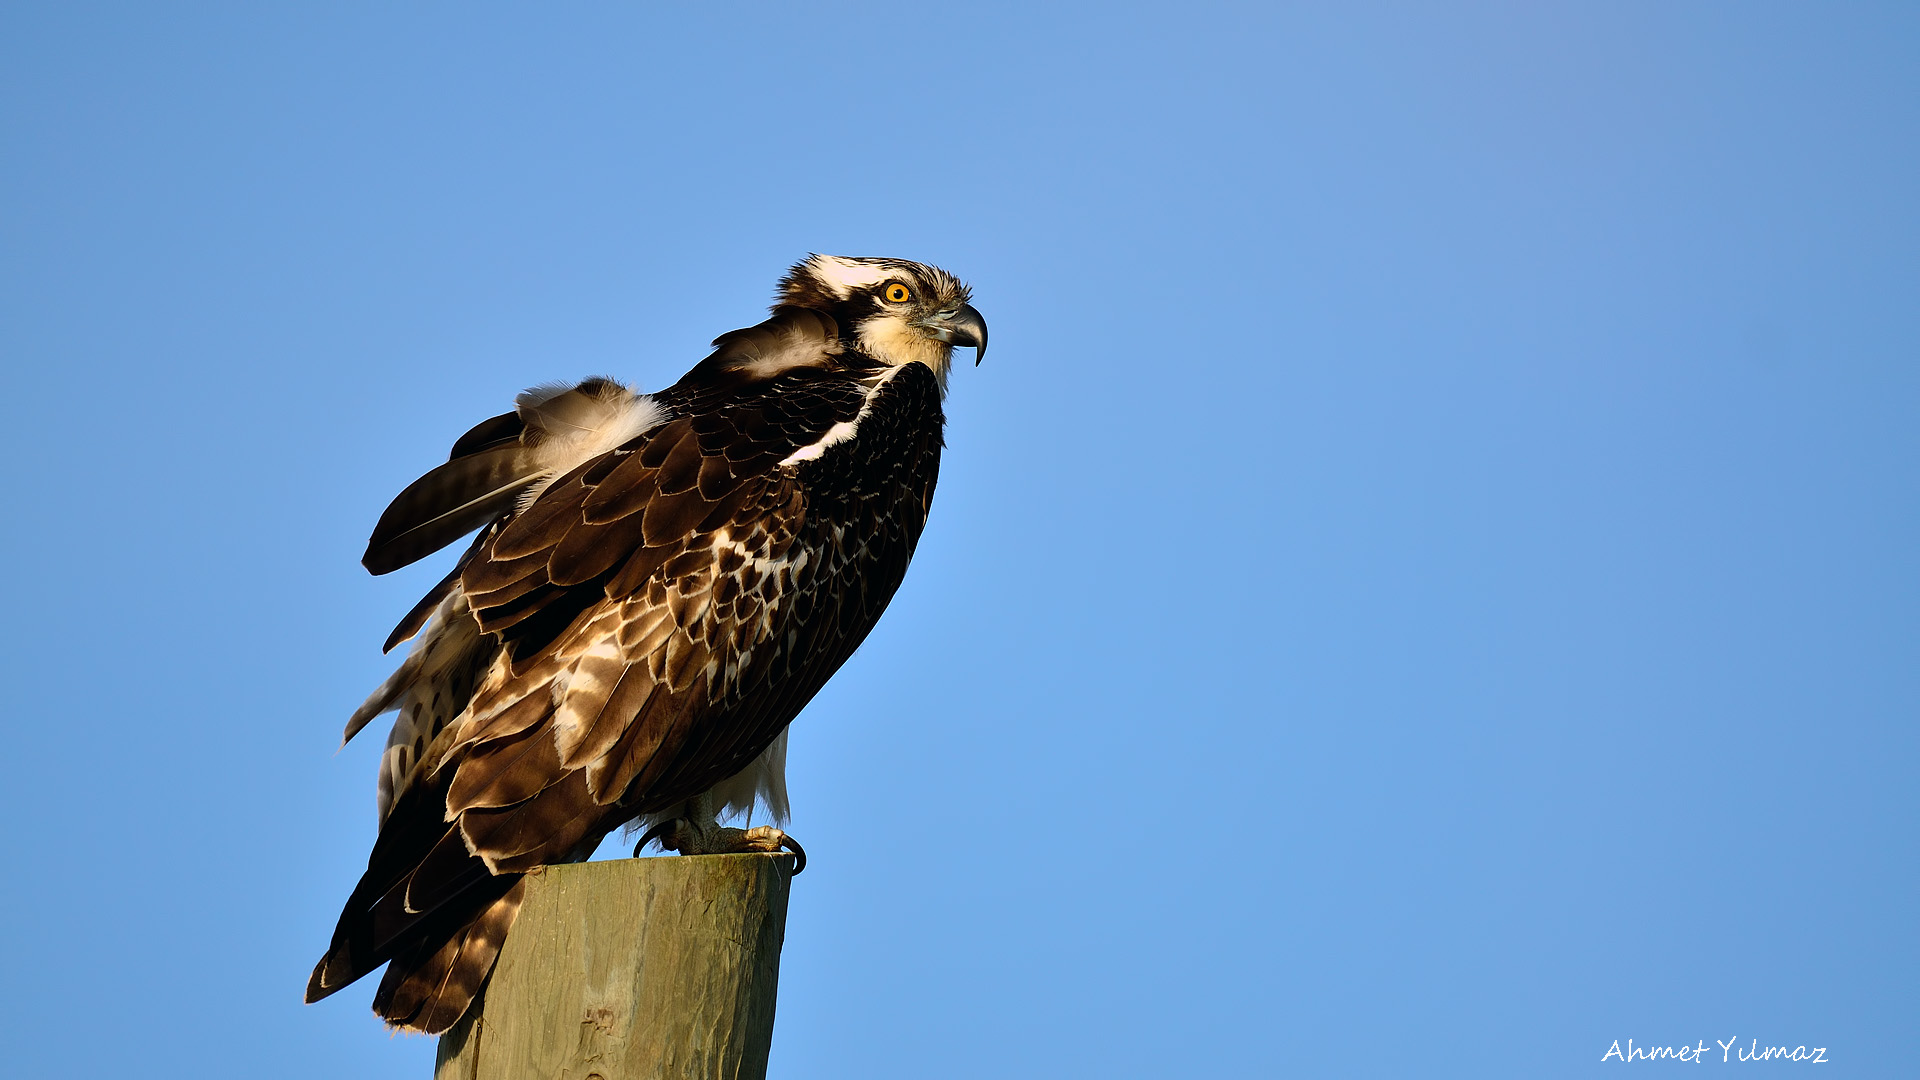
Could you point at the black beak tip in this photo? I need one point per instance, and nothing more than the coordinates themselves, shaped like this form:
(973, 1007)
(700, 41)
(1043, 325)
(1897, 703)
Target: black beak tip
(971, 330)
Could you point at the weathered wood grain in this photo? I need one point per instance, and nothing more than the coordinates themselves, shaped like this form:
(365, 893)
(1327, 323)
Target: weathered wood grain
(633, 970)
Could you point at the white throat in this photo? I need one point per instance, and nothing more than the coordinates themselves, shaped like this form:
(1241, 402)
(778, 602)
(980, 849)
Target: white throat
(891, 340)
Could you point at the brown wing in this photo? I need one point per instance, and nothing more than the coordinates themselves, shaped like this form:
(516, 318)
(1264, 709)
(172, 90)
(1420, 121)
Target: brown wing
(499, 461)
(663, 611)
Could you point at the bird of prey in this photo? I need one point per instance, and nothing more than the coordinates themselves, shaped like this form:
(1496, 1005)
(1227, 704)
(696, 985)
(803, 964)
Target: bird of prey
(659, 583)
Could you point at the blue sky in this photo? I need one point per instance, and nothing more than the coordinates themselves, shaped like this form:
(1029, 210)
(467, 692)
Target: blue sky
(1424, 583)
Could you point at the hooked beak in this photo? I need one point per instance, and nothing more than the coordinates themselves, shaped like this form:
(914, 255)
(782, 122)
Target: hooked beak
(963, 327)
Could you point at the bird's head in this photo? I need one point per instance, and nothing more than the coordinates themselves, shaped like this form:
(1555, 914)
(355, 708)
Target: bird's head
(893, 310)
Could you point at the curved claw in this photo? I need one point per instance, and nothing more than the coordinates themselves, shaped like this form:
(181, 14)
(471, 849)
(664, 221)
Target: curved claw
(660, 829)
(799, 853)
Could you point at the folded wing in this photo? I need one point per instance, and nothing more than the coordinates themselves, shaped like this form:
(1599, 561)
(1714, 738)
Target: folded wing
(638, 620)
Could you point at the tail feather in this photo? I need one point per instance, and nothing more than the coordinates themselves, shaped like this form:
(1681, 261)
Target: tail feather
(431, 986)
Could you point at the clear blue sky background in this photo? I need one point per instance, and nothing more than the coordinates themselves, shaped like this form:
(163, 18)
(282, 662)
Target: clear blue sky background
(1424, 583)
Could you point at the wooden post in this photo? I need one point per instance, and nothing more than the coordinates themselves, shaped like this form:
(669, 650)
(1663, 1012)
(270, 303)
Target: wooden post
(634, 969)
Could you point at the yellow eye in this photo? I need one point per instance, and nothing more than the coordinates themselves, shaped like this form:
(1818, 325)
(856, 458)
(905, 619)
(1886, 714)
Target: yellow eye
(897, 294)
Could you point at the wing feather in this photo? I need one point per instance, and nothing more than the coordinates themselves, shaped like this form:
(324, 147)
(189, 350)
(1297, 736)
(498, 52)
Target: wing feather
(448, 503)
(590, 550)
(498, 462)
(632, 695)
(547, 826)
(502, 772)
(415, 619)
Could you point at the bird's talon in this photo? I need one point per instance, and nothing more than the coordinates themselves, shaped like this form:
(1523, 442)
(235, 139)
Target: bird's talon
(683, 836)
(769, 839)
(663, 831)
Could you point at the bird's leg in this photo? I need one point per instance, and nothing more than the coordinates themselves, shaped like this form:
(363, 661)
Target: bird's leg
(696, 831)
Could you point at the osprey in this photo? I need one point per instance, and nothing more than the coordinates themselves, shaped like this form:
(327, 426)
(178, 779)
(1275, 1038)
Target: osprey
(659, 583)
